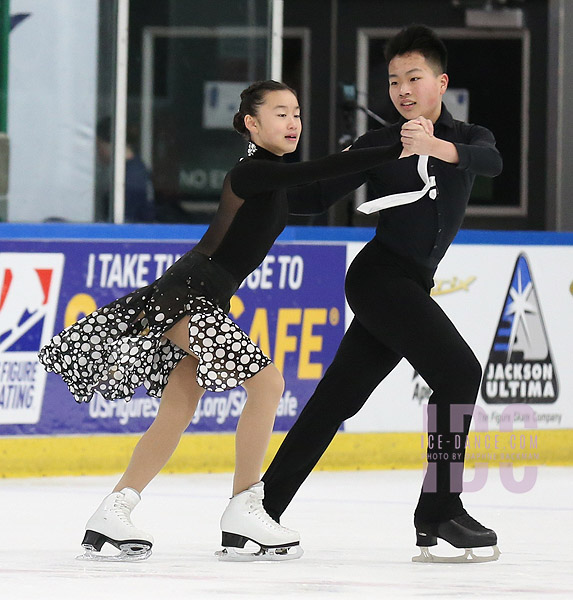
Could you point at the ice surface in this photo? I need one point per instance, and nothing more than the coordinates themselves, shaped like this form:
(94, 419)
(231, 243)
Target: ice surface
(356, 530)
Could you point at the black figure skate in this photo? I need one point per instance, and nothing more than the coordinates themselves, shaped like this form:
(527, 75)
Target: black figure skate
(461, 532)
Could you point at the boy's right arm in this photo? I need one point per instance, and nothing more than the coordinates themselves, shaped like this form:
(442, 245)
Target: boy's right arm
(479, 154)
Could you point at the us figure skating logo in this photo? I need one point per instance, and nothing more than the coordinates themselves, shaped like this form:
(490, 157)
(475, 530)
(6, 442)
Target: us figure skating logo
(29, 290)
(520, 368)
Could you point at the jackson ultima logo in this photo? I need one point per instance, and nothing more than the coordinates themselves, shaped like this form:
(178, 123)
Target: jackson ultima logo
(520, 368)
(29, 290)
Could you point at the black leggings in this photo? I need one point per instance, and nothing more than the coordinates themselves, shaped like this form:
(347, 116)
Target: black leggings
(395, 317)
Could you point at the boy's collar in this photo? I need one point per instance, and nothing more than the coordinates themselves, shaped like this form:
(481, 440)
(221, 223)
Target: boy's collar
(445, 117)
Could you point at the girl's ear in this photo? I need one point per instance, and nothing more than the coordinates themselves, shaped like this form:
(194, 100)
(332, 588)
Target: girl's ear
(250, 123)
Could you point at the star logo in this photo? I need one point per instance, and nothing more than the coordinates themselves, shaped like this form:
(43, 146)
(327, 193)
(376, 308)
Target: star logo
(520, 368)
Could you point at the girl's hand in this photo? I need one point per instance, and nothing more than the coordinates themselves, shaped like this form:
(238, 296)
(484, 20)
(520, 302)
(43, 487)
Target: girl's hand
(417, 136)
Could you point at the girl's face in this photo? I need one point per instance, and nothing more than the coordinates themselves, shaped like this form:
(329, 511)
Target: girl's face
(277, 126)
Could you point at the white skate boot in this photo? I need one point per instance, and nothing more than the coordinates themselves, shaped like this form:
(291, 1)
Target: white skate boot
(111, 523)
(245, 520)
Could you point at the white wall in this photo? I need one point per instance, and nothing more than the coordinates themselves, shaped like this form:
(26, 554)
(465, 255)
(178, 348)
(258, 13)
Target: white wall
(51, 110)
(475, 283)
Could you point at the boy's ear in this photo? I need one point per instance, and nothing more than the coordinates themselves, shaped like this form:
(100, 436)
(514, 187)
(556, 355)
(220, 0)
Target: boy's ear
(444, 80)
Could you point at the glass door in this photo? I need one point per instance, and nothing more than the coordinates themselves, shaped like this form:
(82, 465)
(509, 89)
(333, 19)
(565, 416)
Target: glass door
(191, 66)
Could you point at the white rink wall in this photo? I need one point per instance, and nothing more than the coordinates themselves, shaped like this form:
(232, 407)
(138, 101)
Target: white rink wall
(474, 286)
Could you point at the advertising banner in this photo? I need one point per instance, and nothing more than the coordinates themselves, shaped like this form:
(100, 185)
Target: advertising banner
(513, 306)
(29, 291)
(292, 306)
(511, 303)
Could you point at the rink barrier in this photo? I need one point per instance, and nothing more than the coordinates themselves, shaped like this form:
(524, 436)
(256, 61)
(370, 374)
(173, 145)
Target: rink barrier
(214, 453)
(23, 455)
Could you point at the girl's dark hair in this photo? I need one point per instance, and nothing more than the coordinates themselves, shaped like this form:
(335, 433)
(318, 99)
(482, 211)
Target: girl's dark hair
(252, 98)
(419, 38)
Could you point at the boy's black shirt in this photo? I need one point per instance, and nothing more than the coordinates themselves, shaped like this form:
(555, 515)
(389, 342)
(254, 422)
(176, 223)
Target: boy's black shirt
(423, 230)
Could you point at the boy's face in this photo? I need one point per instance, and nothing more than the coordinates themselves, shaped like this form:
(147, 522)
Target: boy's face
(415, 89)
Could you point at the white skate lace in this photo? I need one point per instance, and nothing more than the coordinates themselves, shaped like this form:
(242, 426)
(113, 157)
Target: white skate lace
(122, 510)
(257, 509)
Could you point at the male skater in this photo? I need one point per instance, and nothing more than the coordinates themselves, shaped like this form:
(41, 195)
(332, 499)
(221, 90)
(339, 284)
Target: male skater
(422, 200)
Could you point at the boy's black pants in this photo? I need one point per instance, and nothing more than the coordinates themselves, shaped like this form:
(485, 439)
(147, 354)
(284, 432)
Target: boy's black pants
(395, 318)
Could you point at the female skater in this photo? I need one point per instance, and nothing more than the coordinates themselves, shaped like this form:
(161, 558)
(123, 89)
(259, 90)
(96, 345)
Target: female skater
(175, 338)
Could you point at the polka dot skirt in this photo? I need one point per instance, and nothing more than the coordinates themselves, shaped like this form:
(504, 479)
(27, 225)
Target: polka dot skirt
(121, 346)
(227, 356)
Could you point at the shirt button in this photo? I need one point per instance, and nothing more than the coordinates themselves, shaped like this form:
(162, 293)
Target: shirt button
(440, 230)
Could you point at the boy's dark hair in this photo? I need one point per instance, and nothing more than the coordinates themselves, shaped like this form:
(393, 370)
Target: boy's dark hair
(421, 39)
(251, 98)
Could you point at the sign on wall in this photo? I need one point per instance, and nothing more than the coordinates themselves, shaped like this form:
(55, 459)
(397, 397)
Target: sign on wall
(513, 306)
(29, 290)
(291, 306)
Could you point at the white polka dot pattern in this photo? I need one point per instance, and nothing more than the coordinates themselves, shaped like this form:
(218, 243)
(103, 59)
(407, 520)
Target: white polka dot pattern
(121, 346)
(220, 344)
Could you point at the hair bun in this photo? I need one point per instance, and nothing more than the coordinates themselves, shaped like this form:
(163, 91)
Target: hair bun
(239, 123)
(251, 98)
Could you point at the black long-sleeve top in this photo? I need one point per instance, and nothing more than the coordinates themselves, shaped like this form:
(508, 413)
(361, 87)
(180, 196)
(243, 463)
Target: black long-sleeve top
(254, 207)
(423, 230)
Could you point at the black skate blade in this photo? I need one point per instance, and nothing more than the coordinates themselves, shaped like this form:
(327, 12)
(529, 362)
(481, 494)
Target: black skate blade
(469, 556)
(235, 540)
(128, 553)
(130, 550)
(264, 553)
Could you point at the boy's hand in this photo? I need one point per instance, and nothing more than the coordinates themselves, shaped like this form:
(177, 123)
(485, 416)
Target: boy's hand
(426, 124)
(417, 136)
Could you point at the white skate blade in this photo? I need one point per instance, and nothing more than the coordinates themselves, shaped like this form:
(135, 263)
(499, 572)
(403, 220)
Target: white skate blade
(469, 556)
(127, 554)
(268, 554)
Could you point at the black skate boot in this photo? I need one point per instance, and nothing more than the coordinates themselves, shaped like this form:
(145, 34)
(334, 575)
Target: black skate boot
(461, 532)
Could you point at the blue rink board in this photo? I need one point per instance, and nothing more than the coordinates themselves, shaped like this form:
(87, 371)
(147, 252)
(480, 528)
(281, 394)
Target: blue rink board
(95, 231)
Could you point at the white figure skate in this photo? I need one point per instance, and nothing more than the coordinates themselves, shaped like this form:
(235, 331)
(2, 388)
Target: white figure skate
(245, 521)
(111, 523)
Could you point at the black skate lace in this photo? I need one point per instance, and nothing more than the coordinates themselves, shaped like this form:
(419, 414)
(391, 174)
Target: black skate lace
(467, 520)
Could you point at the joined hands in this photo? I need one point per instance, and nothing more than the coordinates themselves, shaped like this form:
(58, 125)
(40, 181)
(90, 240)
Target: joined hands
(417, 137)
